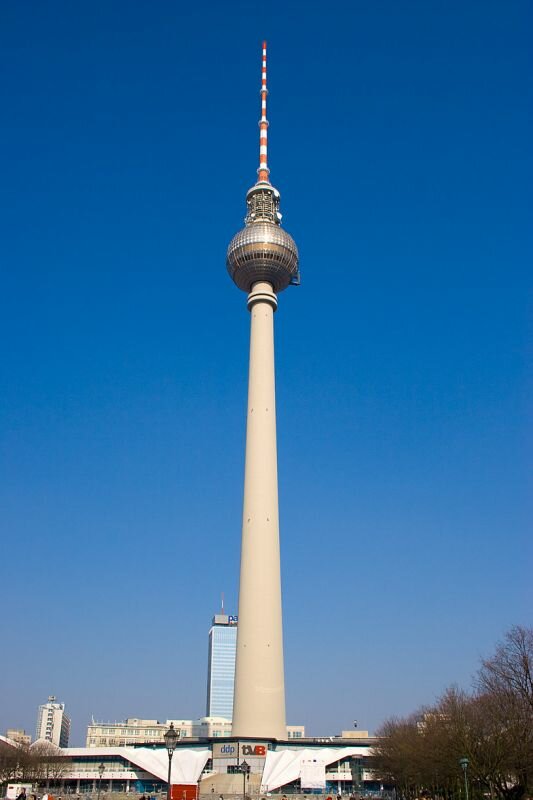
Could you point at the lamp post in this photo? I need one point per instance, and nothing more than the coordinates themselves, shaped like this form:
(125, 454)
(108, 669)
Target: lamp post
(464, 762)
(101, 770)
(171, 738)
(245, 769)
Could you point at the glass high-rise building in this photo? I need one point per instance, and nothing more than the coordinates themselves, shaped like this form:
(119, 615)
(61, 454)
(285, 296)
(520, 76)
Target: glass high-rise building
(221, 666)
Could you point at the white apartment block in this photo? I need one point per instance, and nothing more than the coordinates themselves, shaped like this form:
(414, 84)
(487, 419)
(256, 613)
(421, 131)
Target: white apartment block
(53, 725)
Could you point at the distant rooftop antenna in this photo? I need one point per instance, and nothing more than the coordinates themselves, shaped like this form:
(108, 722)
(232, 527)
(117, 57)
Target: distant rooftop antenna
(222, 603)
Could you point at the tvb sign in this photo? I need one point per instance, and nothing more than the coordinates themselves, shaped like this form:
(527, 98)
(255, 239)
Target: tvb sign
(254, 750)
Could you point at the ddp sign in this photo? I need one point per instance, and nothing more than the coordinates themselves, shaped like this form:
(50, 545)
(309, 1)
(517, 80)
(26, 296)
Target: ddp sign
(225, 750)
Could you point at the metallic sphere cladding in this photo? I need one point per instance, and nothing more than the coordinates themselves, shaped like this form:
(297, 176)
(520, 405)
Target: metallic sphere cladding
(262, 252)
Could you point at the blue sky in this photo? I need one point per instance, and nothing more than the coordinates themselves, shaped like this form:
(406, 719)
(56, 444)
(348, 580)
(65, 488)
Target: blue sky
(400, 140)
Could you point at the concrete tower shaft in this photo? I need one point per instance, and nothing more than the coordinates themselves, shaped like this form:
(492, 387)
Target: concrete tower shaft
(259, 699)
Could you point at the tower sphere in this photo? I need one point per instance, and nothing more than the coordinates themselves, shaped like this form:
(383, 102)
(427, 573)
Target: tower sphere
(263, 251)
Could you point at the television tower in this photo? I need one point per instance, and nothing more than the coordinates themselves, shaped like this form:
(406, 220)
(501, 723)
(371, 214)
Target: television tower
(262, 260)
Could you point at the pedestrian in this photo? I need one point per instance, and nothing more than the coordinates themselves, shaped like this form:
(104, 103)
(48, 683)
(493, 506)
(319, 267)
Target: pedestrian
(22, 794)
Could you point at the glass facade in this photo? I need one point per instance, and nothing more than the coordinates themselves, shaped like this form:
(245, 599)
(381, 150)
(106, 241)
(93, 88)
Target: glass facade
(221, 670)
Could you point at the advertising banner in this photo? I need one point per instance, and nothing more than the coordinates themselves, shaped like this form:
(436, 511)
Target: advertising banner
(313, 773)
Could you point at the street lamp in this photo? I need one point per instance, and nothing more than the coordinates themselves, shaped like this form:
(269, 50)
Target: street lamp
(171, 738)
(245, 769)
(101, 770)
(464, 762)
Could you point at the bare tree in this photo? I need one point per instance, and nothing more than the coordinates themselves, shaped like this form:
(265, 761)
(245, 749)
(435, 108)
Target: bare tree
(509, 672)
(48, 763)
(477, 730)
(15, 763)
(395, 755)
(9, 766)
(505, 681)
(492, 727)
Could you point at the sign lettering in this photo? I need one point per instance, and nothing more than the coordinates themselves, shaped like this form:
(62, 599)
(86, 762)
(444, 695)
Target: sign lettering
(258, 750)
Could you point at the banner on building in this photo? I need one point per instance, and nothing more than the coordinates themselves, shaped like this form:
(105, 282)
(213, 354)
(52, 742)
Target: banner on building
(313, 773)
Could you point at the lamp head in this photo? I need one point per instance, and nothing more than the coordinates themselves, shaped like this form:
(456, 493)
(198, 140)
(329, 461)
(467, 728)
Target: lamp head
(171, 738)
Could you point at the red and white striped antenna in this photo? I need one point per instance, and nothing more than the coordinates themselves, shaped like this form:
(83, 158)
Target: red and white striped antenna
(263, 171)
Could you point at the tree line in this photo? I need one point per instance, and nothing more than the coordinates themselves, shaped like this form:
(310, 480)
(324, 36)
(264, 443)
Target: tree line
(489, 730)
(38, 764)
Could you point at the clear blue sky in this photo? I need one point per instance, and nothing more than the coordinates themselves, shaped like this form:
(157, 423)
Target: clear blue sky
(401, 143)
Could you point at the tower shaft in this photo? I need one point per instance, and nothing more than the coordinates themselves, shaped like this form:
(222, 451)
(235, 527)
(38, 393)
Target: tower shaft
(259, 697)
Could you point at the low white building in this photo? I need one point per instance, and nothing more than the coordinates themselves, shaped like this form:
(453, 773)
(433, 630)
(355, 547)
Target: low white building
(213, 766)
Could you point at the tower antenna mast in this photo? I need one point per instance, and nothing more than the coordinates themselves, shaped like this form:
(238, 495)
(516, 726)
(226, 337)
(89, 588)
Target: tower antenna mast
(263, 171)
